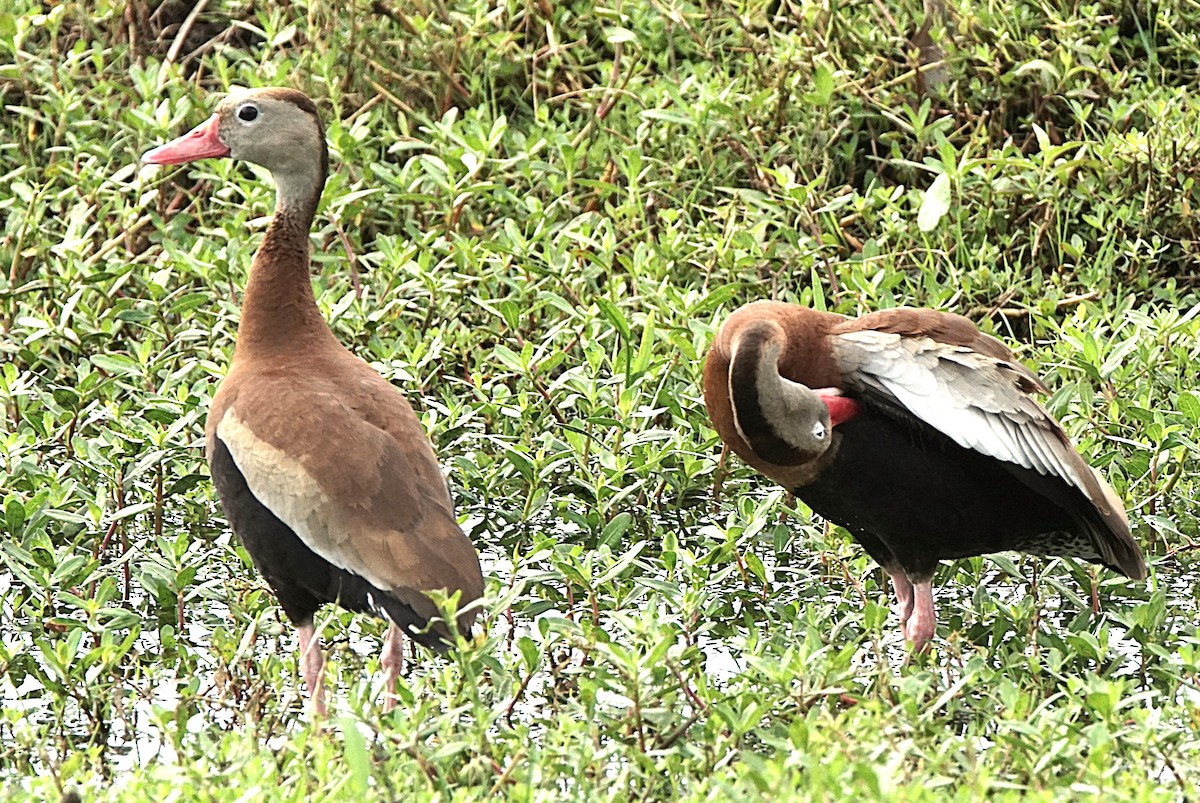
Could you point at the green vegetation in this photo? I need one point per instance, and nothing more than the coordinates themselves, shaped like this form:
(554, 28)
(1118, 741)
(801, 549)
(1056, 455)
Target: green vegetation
(538, 215)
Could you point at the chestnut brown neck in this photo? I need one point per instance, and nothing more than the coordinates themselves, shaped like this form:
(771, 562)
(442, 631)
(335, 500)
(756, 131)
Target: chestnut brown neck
(279, 312)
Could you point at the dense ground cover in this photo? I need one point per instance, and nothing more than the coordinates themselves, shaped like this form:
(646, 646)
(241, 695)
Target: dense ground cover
(538, 215)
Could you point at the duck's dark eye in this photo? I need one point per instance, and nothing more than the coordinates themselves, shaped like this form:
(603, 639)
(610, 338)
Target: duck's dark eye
(248, 113)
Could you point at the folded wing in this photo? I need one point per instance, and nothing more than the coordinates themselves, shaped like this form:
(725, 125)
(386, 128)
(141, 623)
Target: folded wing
(979, 398)
(383, 514)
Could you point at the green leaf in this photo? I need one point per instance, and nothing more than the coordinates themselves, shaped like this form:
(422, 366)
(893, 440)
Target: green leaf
(14, 515)
(822, 84)
(617, 34)
(666, 116)
(65, 571)
(936, 203)
(616, 527)
(1047, 70)
(117, 364)
(132, 510)
(529, 652)
(1043, 139)
(627, 558)
(1189, 405)
(522, 463)
(358, 760)
(8, 26)
(613, 313)
(510, 359)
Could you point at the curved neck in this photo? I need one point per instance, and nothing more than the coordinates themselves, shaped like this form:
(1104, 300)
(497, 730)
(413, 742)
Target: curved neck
(279, 311)
(774, 415)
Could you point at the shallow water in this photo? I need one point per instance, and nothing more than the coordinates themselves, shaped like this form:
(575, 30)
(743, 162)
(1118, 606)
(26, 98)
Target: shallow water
(142, 728)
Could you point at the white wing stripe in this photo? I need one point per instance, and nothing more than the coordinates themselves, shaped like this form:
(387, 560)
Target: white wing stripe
(280, 483)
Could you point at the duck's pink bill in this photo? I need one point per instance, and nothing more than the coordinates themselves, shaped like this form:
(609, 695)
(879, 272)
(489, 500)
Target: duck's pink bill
(841, 408)
(201, 142)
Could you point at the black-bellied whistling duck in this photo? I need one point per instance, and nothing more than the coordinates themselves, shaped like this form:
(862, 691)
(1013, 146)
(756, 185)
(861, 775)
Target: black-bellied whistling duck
(914, 431)
(321, 466)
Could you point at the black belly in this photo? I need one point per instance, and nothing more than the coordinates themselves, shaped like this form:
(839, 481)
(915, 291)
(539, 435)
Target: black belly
(913, 497)
(302, 580)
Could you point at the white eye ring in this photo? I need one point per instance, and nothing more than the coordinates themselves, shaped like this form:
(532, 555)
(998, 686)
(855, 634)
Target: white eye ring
(247, 113)
(818, 431)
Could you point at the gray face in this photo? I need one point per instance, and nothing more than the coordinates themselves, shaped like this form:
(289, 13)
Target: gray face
(813, 430)
(783, 421)
(277, 135)
(798, 416)
(269, 132)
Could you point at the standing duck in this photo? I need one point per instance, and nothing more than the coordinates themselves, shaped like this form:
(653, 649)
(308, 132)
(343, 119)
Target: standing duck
(914, 431)
(321, 466)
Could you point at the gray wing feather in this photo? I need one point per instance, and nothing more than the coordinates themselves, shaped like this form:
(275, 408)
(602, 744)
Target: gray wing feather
(981, 402)
(974, 399)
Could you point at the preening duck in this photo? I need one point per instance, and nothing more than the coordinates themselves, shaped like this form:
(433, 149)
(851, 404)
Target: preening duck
(320, 465)
(914, 431)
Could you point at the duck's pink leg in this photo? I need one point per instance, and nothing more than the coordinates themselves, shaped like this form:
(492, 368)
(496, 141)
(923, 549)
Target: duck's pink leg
(922, 624)
(904, 598)
(392, 658)
(312, 666)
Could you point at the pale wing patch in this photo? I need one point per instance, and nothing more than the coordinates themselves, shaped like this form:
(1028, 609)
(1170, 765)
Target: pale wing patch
(281, 484)
(974, 399)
